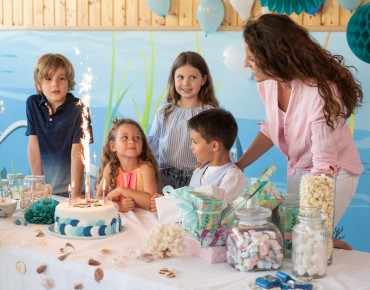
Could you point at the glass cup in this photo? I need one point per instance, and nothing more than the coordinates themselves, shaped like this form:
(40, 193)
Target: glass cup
(5, 192)
(16, 183)
(34, 188)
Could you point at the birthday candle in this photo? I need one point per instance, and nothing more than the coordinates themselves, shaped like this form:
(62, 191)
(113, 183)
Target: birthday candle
(69, 194)
(73, 190)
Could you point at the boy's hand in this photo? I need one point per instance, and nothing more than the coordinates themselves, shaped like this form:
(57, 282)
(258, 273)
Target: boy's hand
(153, 206)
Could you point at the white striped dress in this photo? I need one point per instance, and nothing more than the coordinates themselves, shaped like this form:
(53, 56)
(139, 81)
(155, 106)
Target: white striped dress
(171, 143)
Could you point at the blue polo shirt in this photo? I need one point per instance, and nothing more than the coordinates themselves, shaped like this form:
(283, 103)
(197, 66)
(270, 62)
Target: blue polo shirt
(56, 134)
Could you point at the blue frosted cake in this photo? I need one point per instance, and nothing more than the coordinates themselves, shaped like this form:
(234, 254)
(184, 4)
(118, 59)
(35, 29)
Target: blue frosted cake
(96, 220)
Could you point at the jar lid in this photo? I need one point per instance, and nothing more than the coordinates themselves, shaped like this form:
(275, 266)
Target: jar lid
(253, 211)
(34, 177)
(4, 181)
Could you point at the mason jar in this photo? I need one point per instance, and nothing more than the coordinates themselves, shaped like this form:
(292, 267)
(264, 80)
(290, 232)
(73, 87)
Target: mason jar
(286, 216)
(319, 191)
(33, 189)
(5, 192)
(310, 235)
(16, 183)
(254, 243)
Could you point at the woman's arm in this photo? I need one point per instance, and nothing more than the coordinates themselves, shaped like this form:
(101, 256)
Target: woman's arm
(260, 145)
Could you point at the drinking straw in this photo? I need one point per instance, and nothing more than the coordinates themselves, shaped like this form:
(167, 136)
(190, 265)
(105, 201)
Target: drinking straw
(13, 167)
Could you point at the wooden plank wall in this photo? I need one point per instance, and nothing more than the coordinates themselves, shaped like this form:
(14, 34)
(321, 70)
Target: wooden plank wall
(136, 15)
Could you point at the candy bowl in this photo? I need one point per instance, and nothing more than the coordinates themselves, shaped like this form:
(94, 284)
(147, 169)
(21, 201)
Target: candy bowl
(7, 207)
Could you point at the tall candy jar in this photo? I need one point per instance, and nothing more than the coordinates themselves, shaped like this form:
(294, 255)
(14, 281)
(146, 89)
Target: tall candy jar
(319, 191)
(254, 243)
(310, 244)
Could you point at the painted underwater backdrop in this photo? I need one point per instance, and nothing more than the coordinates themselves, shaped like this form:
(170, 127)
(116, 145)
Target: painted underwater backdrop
(130, 72)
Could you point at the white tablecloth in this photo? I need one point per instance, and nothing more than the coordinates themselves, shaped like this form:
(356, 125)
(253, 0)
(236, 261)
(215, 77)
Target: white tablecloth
(350, 270)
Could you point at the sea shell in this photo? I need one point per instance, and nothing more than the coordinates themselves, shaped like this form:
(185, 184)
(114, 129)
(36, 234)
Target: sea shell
(79, 286)
(163, 271)
(66, 250)
(145, 257)
(62, 257)
(99, 274)
(68, 247)
(170, 274)
(20, 267)
(105, 251)
(93, 262)
(41, 269)
(40, 234)
(47, 283)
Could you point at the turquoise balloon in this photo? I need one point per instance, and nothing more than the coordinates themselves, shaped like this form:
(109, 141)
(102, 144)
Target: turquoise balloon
(210, 15)
(349, 4)
(358, 33)
(159, 7)
(290, 6)
(313, 11)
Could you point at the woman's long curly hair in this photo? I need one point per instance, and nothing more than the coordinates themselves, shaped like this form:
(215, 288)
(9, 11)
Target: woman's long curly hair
(285, 51)
(206, 94)
(109, 157)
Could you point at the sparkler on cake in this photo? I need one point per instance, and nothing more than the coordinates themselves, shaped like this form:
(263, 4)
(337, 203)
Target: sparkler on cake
(85, 87)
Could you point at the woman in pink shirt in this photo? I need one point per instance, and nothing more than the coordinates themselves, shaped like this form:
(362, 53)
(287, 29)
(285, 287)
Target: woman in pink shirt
(308, 94)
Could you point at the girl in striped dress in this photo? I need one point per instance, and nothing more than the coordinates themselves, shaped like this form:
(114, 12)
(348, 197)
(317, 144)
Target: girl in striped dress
(190, 91)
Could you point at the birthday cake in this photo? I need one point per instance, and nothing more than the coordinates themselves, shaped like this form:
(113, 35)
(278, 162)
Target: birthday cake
(94, 220)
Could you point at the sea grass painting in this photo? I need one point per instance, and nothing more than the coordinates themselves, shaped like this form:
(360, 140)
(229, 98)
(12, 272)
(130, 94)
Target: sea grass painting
(130, 71)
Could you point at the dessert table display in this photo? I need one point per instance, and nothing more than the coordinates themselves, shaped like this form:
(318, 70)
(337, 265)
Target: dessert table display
(33, 257)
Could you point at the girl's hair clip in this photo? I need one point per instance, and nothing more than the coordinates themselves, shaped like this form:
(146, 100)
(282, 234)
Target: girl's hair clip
(114, 120)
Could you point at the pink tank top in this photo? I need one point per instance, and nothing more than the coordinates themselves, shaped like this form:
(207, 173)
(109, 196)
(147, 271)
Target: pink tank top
(132, 179)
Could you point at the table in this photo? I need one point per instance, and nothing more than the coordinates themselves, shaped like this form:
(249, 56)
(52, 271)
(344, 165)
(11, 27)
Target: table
(350, 270)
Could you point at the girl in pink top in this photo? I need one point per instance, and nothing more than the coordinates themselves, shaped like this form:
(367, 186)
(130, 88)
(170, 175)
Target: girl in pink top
(128, 167)
(308, 94)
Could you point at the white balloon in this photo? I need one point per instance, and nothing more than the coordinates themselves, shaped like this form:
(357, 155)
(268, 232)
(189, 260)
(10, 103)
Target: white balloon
(233, 58)
(243, 7)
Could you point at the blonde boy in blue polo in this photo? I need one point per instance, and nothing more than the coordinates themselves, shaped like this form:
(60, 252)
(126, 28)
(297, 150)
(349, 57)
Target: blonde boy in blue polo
(54, 120)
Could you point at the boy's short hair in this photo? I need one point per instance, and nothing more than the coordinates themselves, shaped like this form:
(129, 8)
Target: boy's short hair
(46, 66)
(215, 124)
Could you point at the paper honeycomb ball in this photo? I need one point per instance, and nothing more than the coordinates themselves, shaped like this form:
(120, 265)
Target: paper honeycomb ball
(358, 33)
(289, 6)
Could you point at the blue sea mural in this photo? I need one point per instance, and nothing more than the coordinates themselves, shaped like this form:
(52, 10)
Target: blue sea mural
(130, 72)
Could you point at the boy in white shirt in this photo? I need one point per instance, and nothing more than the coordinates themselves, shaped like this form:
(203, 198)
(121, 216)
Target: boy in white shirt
(212, 133)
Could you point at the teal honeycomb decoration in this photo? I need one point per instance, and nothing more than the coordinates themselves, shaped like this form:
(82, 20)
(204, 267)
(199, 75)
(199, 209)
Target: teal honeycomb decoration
(358, 33)
(290, 6)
